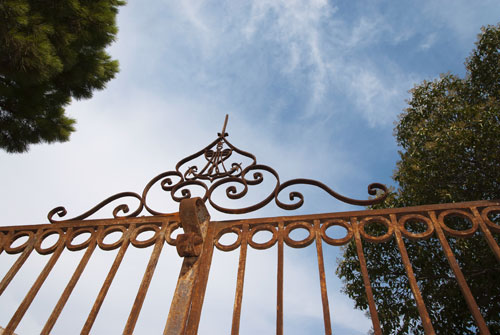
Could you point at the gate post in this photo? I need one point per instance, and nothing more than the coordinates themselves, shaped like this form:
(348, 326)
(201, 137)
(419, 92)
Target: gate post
(194, 219)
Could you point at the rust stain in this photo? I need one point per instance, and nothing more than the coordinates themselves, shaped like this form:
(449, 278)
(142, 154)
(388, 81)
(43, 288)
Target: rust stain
(200, 237)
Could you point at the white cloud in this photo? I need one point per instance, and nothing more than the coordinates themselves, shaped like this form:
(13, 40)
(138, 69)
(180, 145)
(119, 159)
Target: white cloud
(367, 30)
(428, 41)
(373, 96)
(462, 17)
(184, 65)
(192, 11)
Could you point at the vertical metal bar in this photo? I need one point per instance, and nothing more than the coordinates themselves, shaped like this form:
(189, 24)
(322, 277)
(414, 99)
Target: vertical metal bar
(3, 240)
(486, 231)
(185, 309)
(69, 287)
(146, 280)
(200, 285)
(366, 278)
(107, 282)
(322, 279)
(279, 298)
(471, 302)
(422, 310)
(28, 299)
(235, 328)
(19, 262)
(181, 302)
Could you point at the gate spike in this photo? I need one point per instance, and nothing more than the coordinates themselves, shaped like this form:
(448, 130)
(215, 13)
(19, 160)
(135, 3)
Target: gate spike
(223, 133)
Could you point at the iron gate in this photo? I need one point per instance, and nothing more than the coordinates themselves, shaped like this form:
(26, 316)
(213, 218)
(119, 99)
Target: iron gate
(201, 236)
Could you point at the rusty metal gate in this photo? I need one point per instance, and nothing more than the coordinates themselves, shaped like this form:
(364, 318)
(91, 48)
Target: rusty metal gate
(200, 236)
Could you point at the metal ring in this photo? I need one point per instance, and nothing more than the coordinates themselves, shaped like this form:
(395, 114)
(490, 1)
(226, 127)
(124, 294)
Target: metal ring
(146, 243)
(267, 227)
(458, 233)
(45, 234)
(416, 236)
(336, 241)
(168, 234)
(232, 246)
(491, 224)
(74, 234)
(14, 250)
(106, 232)
(298, 225)
(376, 239)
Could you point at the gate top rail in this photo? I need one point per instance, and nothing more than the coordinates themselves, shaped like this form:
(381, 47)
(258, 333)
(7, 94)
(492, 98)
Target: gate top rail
(422, 209)
(221, 164)
(493, 204)
(200, 237)
(482, 217)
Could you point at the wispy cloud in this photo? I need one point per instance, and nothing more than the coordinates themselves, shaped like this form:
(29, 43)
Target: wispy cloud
(461, 17)
(312, 89)
(428, 41)
(309, 40)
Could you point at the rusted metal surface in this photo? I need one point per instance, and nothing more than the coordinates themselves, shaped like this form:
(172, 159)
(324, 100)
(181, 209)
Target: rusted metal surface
(200, 237)
(279, 298)
(200, 284)
(23, 307)
(485, 228)
(238, 298)
(354, 223)
(67, 232)
(439, 225)
(187, 303)
(322, 278)
(123, 244)
(70, 286)
(27, 249)
(148, 275)
(366, 279)
(194, 221)
(221, 168)
(422, 310)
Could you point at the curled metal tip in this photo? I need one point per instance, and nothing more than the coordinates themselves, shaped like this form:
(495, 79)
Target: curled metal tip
(221, 168)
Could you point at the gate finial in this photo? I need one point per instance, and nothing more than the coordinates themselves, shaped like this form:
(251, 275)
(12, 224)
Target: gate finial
(217, 166)
(223, 133)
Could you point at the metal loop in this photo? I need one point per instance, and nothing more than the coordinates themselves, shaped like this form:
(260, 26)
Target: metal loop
(266, 227)
(416, 236)
(298, 225)
(45, 234)
(336, 241)
(109, 230)
(458, 233)
(74, 234)
(168, 234)
(139, 230)
(491, 224)
(378, 219)
(14, 250)
(217, 172)
(232, 246)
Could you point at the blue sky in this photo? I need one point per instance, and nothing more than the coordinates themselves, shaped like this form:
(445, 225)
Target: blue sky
(312, 88)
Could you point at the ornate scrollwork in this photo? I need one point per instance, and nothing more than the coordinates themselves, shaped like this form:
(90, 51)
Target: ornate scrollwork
(61, 211)
(220, 168)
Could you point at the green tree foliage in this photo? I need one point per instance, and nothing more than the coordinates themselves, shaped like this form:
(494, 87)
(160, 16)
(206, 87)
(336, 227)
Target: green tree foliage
(450, 136)
(50, 51)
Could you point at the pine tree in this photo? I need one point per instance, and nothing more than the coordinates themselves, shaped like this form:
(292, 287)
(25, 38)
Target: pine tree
(50, 52)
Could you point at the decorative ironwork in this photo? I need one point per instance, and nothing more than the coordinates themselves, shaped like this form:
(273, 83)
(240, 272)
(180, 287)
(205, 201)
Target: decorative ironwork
(201, 237)
(220, 169)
